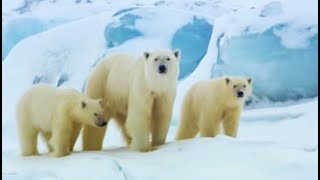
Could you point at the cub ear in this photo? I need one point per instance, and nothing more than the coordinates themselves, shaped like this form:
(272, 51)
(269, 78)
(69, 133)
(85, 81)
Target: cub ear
(83, 104)
(227, 80)
(249, 80)
(146, 55)
(177, 53)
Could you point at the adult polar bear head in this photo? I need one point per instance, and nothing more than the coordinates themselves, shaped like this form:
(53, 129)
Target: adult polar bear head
(161, 68)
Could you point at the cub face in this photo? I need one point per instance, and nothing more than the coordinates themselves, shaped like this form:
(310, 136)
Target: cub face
(90, 112)
(239, 88)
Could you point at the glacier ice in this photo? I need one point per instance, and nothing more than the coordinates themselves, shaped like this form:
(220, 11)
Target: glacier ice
(124, 11)
(271, 9)
(18, 29)
(280, 70)
(133, 23)
(193, 40)
(117, 33)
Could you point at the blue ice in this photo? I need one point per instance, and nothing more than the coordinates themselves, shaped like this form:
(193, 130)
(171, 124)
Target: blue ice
(18, 29)
(118, 33)
(279, 73)
(193, 40)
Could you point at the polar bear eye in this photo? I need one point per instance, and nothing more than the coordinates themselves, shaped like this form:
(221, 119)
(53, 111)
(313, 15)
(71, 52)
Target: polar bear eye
(244, 86)
(156, 59)
(168, 59)
(234, 86)
(95, 114)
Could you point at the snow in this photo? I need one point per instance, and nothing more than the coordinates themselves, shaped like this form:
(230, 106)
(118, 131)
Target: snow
(275, 42)
(273, 143)
(271, 9)
(249, 160)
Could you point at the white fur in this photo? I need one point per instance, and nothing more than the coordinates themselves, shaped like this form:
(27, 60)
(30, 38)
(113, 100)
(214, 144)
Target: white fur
(210, 104)
(55, 113)
(136, 96)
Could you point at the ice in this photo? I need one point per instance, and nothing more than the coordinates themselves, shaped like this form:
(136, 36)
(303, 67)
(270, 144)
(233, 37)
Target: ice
(116, 34)
(283, 64)
(271, 9)
(193, 40)
(22, 19)
(18, 29)
(279, 73)
(124, 11)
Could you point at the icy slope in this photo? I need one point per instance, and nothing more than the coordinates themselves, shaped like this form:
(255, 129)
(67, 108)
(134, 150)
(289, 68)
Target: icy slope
(17, 27)
(38, 16)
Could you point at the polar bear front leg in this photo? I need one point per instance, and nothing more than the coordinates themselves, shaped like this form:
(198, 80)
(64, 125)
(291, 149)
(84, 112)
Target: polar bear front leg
(28, 139)
(76, 128)
(161, 118)
(209, 122)
(61, 136)
(138, 123)
(231, 121)
(60, 143)
(92, 137)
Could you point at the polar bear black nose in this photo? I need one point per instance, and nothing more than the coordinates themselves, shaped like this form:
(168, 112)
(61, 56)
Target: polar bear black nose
(162, 69)
(101, 123)
(240, 94)
(104, 123)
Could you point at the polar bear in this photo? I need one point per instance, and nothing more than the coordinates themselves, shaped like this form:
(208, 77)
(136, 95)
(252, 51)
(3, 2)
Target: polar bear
(57, 114)
(209, 104)
(138, 92)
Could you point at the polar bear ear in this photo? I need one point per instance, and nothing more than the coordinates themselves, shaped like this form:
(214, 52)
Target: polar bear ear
(146, 55)
(83, 104)
(177, 53)
(249, 80)
(227, 80)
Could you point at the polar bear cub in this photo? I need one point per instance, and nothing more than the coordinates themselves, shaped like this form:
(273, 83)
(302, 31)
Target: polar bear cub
(209, 104)
(57, 114)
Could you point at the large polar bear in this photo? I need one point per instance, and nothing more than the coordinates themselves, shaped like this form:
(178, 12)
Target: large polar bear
(138, 92)
(57, 114)
(209, 103)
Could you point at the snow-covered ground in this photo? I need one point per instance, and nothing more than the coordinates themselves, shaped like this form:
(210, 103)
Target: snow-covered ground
(275, 42)
(273, 143)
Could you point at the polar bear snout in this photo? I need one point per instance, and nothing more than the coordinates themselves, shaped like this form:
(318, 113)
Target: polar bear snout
(100, 122)
(162, 68)
(240, 94)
